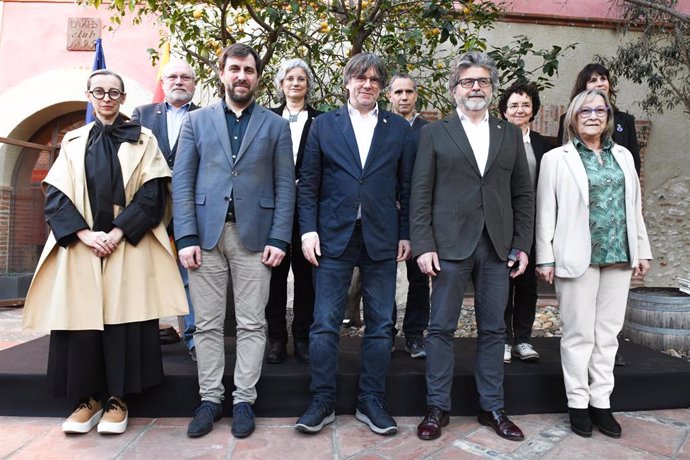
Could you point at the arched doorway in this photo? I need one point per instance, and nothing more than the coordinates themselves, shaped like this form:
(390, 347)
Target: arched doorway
(28, 231)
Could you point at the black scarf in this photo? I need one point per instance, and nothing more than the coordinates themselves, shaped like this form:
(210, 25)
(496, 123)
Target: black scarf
(103, 172)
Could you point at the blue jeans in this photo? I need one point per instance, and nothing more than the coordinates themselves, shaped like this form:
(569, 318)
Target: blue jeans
(188, 319)
(331, 281)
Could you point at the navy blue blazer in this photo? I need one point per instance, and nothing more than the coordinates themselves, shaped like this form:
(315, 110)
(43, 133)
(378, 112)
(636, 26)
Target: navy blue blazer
(153, 117)
(333, 184)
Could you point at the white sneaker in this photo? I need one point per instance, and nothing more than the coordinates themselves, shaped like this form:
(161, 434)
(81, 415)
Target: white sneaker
(114, 420)
(507, 355)
(84, 417)
(525, 352)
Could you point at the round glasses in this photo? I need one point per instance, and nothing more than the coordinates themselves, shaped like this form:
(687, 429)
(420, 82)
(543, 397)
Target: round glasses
(113, 94)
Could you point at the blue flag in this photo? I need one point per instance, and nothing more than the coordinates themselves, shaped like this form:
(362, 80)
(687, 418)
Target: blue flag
(98, 63)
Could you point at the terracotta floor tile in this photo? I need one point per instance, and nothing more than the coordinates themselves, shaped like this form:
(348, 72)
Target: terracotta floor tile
(276, 421)
(575, 447)
(284, 443)
(20, 431)
(677, 415)
(406, 445)
(351, 440)
(161, 441)
(684, 451)
(650, 436)
(454, 453)
(57, 445)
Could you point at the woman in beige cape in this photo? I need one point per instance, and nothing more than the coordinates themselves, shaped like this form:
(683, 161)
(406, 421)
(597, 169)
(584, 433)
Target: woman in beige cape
(107, 272)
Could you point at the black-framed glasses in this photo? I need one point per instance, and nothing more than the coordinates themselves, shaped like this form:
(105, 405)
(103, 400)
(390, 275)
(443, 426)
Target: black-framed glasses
(183, 77)
(587, 112)
(468, 83)
(113, 94)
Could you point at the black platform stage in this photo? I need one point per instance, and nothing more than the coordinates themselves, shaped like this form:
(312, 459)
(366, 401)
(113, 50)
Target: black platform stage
(651, 380)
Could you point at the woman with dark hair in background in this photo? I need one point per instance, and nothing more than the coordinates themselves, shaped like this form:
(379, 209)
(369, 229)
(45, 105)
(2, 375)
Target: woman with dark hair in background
(107, 272)
(590, 239)
(596, 76)
(294, 83)
(519, 105)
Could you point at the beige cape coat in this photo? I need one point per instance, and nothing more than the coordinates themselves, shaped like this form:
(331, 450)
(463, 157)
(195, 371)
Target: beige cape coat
(72, 288)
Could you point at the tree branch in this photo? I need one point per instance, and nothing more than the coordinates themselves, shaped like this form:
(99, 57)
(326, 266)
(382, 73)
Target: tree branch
(664, 9)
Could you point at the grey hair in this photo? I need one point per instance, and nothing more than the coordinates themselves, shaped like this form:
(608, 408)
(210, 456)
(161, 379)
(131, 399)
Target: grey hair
(178, 61)
(360, 63)
(286, 67)
(399, 76)
(472, 59)
(570, 121)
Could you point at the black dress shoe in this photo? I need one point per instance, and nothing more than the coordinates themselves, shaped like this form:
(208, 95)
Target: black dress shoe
(580, 422)
(430, 428)
(603, 418)
(276, 353)
(619, 361)
(301, 351)
(499, 421)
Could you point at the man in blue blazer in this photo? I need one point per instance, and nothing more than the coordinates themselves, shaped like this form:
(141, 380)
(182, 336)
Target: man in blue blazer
(233, 201)
(165, 120)
(357, 163)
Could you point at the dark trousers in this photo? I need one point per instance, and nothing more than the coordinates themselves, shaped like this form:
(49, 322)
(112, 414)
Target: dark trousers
(489, 275)
(331, 280)
(303, 301)
(417, 307)
(521, 306)
(122, 359)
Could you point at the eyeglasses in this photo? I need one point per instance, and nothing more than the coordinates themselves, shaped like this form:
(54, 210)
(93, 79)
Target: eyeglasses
(468, 83)
(587, 112)
(113, 94)
(374, 81)
(515, 107)
(181, 77)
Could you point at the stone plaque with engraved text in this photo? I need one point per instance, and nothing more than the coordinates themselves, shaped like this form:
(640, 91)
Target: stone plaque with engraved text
(82, 33)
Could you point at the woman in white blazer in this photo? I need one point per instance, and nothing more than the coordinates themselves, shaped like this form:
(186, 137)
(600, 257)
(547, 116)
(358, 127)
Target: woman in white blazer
(590, 239)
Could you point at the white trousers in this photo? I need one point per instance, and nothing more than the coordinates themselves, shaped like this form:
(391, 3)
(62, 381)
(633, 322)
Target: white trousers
(592, 309)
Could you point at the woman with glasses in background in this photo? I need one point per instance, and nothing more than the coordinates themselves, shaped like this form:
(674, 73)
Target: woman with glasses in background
(590, 239)
(107, 272)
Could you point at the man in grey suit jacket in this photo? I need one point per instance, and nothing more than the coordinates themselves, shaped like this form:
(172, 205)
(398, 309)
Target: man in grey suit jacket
(233, 201)
(472, 209)
(165, 120)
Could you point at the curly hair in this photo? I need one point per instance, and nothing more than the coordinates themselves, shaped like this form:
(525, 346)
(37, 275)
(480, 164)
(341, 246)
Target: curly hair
(520, 87)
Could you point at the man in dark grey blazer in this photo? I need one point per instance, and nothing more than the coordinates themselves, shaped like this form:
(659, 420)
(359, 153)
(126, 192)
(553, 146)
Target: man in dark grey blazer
(233, 202)
(472, 208)
(165, 120)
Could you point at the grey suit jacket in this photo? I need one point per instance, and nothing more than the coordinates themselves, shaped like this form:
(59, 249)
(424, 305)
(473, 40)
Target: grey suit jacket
(262, 178)
(154, 118)
(452, 202)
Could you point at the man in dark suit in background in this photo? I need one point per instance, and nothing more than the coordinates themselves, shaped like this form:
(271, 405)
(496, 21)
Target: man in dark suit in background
(357, 163)
(472, 211)
(165, 120)
(402, 94)
(233, 202)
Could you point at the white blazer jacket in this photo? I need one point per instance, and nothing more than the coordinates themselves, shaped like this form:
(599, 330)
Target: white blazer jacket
(562, 219)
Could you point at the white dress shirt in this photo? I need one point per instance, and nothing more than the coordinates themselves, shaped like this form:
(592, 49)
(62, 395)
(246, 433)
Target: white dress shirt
(478, 135)
(174, 121)
(363, 126)
(296, 129)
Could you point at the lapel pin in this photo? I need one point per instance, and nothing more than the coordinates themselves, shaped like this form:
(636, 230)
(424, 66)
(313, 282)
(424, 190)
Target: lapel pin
(385, 120)
(498, 126)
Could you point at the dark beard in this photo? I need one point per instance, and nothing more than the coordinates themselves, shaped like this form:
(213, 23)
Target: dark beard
(234, 97)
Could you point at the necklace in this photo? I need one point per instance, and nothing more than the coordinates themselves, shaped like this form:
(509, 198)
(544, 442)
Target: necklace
(293, 118)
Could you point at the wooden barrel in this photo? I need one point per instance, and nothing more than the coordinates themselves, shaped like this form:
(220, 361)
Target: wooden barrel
(658, 318)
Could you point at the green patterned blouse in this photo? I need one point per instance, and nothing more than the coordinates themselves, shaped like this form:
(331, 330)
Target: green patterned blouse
(606, 205)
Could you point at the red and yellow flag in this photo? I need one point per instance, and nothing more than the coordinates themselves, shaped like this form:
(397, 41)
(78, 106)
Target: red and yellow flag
(158, 95)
